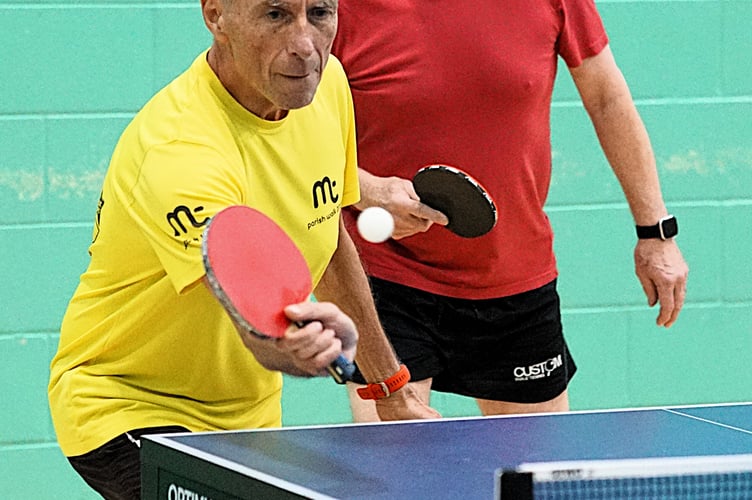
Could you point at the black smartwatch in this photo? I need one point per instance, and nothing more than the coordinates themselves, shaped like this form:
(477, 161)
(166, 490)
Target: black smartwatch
(666, 229)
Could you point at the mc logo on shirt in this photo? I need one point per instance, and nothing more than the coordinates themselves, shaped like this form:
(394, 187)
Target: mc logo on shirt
(182, 214)
(320, 190)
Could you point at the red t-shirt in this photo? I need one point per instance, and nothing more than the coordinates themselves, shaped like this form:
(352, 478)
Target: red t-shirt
(466, 84)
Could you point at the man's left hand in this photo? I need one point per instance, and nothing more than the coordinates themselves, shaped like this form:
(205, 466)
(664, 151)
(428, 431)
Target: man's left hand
(662, 272)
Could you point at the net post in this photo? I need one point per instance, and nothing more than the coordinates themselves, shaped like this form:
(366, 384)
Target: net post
(514, 485)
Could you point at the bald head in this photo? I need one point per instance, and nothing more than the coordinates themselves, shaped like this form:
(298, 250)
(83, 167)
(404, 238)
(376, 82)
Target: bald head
(270, 54)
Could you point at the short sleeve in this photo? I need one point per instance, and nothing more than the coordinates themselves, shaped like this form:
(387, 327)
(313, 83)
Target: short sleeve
(351, 193)
(582, 34)
(180, 187)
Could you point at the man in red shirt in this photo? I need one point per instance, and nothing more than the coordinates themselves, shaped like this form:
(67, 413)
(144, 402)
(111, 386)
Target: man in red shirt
(470, 85)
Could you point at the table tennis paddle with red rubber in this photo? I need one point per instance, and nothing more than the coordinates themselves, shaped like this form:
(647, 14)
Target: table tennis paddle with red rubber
(470, 209)
(255, 270)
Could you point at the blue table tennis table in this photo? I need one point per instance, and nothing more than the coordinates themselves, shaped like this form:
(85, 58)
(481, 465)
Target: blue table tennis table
(453, 458)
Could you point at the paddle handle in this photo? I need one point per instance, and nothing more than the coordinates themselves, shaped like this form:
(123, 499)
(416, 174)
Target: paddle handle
(341, 369)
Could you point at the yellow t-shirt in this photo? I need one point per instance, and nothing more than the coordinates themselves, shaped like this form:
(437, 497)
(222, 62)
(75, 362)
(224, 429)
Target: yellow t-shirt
(142, 343)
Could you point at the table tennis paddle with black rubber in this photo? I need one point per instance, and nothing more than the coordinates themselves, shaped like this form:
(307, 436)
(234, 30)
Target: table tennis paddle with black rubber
(467, 205)
(255, 270)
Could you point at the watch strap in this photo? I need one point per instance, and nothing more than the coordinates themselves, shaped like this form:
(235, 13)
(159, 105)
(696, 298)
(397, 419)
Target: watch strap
(666, 228)
(381, 390)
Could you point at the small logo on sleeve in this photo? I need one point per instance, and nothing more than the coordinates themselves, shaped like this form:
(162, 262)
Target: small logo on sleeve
(181, 217)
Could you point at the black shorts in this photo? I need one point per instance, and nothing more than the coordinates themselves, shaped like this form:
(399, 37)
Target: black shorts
(114, 469)
(506, 349)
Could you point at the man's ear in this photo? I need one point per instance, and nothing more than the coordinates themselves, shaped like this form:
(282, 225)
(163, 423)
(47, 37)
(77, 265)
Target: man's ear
(212, 11)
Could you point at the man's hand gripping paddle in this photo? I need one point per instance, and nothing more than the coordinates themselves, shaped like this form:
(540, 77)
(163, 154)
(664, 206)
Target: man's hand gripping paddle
(255, 270)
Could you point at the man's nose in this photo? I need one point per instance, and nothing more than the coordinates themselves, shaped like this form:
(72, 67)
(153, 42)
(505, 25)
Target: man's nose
(302, 39)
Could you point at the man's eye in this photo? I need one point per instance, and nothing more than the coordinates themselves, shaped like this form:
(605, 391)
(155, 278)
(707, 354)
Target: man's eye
(320, 13)
(274, 15)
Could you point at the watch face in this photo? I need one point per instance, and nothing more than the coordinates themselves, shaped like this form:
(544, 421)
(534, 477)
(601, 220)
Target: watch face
(669, 228)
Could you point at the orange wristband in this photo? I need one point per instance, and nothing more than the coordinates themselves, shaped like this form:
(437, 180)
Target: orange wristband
(381, 390)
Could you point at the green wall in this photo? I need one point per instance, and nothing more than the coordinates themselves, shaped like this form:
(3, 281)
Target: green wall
(74, 72)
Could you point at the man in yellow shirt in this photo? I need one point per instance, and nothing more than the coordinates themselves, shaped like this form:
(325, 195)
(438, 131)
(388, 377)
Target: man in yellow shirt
(263, 118)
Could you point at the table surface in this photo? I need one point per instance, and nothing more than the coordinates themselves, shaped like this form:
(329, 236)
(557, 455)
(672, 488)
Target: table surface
(445, 458)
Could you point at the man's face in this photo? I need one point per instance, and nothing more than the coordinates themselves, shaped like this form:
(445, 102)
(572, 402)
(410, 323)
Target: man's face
(276, 50)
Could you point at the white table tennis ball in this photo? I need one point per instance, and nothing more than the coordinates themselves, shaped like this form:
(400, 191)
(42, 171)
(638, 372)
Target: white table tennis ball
(375, 224)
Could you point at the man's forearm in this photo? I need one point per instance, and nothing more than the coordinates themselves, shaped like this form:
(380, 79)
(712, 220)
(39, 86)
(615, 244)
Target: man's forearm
(627, 147)
(622, 135)
(345, 284)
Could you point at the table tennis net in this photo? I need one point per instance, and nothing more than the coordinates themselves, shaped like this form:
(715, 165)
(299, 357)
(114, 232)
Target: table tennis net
(707, 478)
